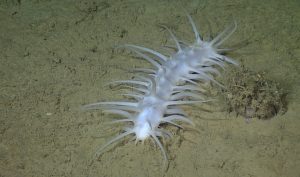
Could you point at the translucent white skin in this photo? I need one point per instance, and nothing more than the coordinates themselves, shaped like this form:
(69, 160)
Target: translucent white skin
(161, 90)
(184, 62)
(149, 117)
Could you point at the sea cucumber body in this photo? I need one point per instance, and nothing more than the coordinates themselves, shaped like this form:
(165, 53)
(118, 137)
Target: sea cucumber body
(176, 80)
(167, 78)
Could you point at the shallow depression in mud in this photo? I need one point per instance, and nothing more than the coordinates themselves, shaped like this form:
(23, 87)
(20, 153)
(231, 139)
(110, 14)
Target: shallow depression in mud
(251, 94)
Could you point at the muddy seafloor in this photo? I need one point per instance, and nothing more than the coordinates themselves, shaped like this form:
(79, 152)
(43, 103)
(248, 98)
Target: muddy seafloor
(57, 55)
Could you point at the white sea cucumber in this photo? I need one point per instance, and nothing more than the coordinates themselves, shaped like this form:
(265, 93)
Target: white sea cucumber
(173, 81)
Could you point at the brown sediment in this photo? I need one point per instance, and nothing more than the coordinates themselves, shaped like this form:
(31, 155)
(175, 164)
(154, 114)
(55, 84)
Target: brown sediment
(251, 95)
